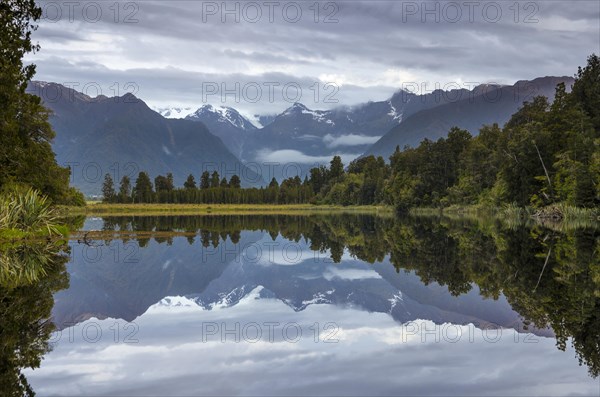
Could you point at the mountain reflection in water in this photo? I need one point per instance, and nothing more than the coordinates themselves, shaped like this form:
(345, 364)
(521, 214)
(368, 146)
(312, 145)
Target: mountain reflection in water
(399, 293)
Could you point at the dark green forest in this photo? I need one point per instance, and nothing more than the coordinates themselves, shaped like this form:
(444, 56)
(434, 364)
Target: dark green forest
(545, 154)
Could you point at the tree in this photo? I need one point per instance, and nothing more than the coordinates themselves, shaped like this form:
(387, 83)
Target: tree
(164, 183)
(586, 90)
(525, 145)
(214, 179)
(143, 188)
(190, 182)
(478, 168)
(26, 156)
(205, 180)
(108, 189)
(336, 168)
(318, 178)
(125, 190)
(223, 182)
(235, 182)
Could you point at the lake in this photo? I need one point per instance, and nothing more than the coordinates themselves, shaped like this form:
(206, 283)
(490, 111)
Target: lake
(339, 304)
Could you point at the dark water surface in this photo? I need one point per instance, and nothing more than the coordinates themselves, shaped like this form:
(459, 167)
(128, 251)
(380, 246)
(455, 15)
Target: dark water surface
(305, 305)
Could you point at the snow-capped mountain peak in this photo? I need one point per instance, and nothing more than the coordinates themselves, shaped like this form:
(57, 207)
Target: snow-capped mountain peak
(222, 114)
(174, 112)
(394, 113)
(296, 108)
(321, 116)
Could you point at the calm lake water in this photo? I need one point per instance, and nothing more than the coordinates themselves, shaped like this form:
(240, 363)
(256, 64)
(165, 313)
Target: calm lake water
(306, 305)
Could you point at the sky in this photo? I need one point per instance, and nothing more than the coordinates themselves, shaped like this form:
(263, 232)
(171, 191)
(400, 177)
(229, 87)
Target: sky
(261, 57)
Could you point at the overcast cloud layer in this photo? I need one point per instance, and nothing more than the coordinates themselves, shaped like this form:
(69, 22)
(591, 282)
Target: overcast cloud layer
(172, 53)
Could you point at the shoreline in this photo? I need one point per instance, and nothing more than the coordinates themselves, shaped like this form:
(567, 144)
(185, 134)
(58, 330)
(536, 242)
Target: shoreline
(218, 209)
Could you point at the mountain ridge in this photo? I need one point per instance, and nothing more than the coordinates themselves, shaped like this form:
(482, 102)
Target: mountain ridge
(122, 136)
(496, 105)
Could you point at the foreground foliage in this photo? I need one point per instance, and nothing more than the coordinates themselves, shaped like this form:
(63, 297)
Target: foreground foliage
(26, 155)
(29, 212)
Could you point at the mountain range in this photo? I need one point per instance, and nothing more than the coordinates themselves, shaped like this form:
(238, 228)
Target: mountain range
(223, 276)
(493, 105)
(122, 135)
(370, 128)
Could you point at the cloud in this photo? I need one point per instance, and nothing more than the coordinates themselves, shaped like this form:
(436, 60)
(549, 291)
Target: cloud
(287, 156)
(349, 274)
(349, 140)
(370, 354)
(166, 47)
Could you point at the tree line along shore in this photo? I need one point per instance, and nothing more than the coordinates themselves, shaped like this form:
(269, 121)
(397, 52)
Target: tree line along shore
(544, 162)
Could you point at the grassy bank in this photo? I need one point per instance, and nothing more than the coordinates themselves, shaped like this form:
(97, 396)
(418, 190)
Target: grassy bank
(217, 209)
(556, 216)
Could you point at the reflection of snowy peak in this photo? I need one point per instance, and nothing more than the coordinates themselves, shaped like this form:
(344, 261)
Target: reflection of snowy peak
(174, 278)
(248, 292)
(374, 288)
(303, 284)
(232, 298)
(175, 301)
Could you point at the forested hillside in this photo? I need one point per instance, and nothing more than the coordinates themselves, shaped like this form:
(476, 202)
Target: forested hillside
(546, 153)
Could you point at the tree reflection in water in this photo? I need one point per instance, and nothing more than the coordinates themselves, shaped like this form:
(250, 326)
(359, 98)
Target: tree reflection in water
(29, 276)
(550, 276)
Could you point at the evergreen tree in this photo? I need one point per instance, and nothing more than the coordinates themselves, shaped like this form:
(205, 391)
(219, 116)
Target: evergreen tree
(143, 188)
(336, 169)
(318, 178)
(108, 189)
(205, 180)
(214, 179)
(235, 182)
(125, 190)
(586, 90)
(190, 182)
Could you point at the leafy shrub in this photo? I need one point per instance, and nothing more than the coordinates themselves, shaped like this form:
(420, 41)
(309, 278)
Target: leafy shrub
(27, 210)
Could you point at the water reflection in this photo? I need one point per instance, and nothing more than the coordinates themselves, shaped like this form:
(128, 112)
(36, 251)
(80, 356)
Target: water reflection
(29, 276)
(551, 278)
(169, 275)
